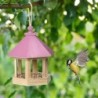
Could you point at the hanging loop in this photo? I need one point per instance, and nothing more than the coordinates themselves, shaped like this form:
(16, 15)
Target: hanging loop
(44, 1)
(30, 13)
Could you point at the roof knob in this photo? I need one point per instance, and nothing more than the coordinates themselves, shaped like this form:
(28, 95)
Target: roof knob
(30, 31)
(30, 28)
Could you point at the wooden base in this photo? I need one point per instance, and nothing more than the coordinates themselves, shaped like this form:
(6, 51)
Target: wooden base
(31, 81)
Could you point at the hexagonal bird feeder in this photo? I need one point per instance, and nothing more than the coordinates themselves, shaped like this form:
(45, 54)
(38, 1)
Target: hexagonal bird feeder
(30, 49)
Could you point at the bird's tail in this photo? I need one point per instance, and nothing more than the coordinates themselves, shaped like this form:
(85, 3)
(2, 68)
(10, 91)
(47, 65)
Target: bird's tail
(78, 79)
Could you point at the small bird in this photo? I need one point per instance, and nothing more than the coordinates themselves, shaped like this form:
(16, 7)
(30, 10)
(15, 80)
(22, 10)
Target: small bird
(80, 61)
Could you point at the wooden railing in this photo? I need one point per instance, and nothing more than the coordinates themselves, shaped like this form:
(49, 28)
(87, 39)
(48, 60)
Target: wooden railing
(33, 75)
(21, 75)
(36, 75)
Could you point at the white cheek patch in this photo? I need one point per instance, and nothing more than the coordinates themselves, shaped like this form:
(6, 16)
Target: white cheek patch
(69, 62)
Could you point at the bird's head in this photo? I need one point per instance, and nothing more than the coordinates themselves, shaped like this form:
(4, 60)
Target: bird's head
(69, 61)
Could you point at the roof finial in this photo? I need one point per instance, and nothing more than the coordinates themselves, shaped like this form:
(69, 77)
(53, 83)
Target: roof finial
(30, 31)
(30, 28)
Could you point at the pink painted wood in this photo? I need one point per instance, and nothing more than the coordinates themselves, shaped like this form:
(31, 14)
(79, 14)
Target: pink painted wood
(30, 47)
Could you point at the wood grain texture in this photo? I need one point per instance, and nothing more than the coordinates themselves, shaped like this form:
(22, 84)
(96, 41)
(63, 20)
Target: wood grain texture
(44, 67)
(31, 81)
(27, 69)
(19, 6)
(35, 67)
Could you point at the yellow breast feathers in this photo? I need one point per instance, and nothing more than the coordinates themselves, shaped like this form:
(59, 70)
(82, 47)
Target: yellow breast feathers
(74, 68)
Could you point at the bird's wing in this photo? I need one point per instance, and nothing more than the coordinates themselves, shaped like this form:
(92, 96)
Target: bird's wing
(82, 58)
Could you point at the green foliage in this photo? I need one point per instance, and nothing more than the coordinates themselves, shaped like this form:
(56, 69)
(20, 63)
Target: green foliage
(67, 29)
(12, 94)
(22, 17)
(93, 82)
(8, 81)
(95, 14)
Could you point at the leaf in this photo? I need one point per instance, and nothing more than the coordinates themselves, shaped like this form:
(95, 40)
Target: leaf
(71, 15)
(89, 38)
(8, 81)
(50, 4)
(95, 15)
(80, 28)
(54, 19)
(68, 37)
(67, 2)
(95, 34)
(82, 8)
(68, 20)
(12, 94)
(54, 34)
(1, 38)
(5, 45)
(17, 22)
(24, 1)
(22, 17)
(94, 81)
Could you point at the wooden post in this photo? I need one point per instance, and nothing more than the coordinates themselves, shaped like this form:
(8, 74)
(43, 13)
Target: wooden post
(27, 69)
(35, 68)
(19, 65)
(45, 67)
(15, 68)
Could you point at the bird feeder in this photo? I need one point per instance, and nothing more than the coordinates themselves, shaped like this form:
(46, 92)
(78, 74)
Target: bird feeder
(29, 50)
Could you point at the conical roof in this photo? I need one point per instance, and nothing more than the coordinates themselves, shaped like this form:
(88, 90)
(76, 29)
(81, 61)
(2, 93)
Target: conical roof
(31, 47)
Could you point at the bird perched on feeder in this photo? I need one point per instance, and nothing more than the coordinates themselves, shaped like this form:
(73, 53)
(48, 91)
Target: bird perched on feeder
(80, 61)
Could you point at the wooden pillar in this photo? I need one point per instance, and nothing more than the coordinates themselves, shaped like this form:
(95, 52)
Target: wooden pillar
(35, 68)
(27, 69)
(15, 68)
(19, 67)
(44, 67)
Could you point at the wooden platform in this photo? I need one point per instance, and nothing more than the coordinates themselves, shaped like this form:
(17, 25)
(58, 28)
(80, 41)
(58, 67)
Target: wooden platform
(32, 81)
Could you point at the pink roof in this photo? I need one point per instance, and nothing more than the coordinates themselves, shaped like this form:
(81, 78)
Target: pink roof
(30, 47)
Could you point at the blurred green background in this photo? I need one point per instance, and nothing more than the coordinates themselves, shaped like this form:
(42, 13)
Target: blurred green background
(67, 26)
